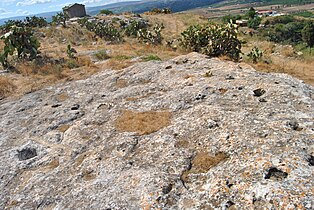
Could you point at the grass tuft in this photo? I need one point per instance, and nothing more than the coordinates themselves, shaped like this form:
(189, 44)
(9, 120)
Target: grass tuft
(151, 57)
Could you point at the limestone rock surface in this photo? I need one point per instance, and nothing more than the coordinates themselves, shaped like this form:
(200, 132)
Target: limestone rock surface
(188, 133)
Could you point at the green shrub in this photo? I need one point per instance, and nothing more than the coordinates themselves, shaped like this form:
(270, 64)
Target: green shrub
(106, 31)
(308, 34)
(212, 40)
(101, 55)
(254, 23)
(289, 33)
(6, 27)
(35, 22)
(151, 58)
(122, 57)
(255, 54)
(105, 12)
(133, 27)
(22, 40)
(281, 19)
(151, 37)
(251, 13)
(161, 11)
(71, 51)
(230, 18)
(72, 63)
(60, 18)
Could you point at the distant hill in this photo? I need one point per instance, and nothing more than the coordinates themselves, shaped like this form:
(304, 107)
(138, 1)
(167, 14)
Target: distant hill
(143, 6)
(135, 6)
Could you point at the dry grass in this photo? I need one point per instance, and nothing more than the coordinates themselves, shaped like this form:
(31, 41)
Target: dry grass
(6, 86)
(281, 59)
(202, 162)
(142, 122)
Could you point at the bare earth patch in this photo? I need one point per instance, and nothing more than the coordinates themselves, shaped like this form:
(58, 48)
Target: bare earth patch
(143, 122)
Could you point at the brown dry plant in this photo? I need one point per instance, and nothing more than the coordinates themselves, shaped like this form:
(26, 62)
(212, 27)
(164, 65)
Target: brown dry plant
(6, 87)
(143, 122)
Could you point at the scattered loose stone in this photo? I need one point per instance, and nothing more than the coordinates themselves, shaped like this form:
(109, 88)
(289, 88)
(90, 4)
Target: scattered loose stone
(27, 153)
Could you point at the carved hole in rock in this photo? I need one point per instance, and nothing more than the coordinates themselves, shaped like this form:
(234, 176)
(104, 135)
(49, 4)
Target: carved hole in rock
(275, 174)
(142, 122)
(310, 159)
(259, 92)
(27, 153)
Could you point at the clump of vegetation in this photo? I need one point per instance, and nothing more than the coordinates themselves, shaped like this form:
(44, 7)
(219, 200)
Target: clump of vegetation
(287, 30)
(72, 63)
(230, 18)
(27, 22)
(212, 40)
(133, 27)
(308, 34)
(6, 87)
(151, 37)
(71, 51)
(151, 57)
(105, 12)
(21, 40)
(60, 18)
(161, 11)
(8, 25)
(102, 55)
(254, 21)
(255, 54)
(35, 22)
(107, 31)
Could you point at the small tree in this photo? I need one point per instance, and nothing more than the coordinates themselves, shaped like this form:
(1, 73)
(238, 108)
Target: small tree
(254, 23)
(308, 34)
(60, 18)
(251, 13)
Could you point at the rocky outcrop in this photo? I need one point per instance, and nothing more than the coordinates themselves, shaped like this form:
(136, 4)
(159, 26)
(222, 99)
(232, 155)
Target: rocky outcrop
(189, 133)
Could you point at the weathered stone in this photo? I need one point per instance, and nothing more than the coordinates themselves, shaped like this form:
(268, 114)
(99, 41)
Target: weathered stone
(147, 144)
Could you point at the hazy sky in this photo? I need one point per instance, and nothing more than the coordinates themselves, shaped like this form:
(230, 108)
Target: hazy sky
(11, 8)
